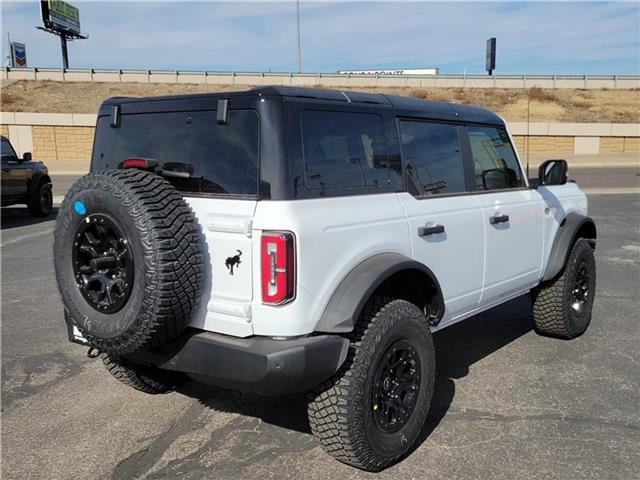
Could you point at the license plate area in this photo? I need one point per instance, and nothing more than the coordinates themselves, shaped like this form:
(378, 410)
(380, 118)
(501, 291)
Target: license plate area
(72, 331)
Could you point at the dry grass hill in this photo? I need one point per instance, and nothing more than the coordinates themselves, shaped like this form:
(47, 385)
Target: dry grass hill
(541, 105)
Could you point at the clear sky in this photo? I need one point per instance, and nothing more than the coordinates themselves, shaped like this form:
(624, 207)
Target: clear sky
(533, 37)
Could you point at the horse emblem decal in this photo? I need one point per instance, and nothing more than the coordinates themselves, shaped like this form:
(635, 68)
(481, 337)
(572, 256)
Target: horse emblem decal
(233, 262)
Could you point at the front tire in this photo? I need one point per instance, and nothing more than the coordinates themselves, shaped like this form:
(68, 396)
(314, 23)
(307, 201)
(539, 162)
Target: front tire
(371, 413)
(40, 202)
(562, 307)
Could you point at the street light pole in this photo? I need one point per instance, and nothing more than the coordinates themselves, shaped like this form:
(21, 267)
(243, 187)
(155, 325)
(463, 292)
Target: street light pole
(298, 59)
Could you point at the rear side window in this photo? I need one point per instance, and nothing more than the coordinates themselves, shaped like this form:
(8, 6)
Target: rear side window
(494, 160)
(432, 157)
(343, 150)
(216, 158)
(7, 150)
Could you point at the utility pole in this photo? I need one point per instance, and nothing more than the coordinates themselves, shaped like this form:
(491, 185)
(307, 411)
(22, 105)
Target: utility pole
(11, 62)
(298, 58)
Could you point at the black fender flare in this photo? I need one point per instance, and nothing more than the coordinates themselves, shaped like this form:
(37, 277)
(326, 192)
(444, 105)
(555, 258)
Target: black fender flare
(351, 295)
(36, 180)
(570, 228)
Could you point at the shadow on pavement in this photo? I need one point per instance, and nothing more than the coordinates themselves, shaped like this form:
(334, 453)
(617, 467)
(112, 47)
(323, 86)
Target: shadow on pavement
(461, 345)
(457, 348)
(14, 217)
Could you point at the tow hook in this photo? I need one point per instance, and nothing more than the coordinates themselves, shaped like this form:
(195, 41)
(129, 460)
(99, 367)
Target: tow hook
(93, 352)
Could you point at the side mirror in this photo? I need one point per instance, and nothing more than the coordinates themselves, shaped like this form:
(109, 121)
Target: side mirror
(26, 157)
(495, 179)
(553, 172)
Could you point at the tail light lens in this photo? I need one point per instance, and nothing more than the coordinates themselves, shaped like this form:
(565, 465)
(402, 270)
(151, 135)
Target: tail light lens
(278, 267)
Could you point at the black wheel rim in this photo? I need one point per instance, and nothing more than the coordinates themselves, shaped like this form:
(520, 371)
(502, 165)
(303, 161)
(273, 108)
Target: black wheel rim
(396, 386)
(103, 264)
(46, 199)
(580, 292)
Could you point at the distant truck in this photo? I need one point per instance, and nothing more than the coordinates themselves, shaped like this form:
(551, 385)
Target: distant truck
(393, 71)
(25, 181)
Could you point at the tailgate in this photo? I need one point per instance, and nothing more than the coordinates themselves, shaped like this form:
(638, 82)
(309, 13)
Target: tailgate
(225, 305)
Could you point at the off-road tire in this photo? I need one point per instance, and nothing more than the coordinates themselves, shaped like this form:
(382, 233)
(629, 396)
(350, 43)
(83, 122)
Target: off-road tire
(341, 411)
(145, 379)
(553, 313)
(166, 251)
(40, 202)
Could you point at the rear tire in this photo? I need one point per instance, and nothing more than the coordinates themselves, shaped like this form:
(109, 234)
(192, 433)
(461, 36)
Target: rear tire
(145, 379)
(351, 415)
(562, 307)
(40, 202)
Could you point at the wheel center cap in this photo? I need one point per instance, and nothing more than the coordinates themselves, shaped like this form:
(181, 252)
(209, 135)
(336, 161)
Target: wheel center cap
(386, 384)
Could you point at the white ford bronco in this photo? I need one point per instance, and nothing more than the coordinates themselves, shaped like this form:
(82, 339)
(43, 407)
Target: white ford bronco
(283, 240)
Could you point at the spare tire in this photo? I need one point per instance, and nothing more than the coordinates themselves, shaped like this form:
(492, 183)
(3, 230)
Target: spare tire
(129, 260)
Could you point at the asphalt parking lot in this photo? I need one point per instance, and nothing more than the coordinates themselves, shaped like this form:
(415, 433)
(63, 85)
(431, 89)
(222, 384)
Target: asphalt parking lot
(508, 403)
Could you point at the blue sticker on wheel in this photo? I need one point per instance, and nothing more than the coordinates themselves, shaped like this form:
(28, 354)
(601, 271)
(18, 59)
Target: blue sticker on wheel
(79, 207)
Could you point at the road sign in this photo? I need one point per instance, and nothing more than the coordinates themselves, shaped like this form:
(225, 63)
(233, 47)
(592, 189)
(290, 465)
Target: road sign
(18, 55)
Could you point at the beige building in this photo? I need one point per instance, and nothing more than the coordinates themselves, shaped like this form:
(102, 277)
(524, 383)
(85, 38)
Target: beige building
(64, 140)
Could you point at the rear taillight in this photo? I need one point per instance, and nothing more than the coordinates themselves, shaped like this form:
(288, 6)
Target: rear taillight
(278, 267)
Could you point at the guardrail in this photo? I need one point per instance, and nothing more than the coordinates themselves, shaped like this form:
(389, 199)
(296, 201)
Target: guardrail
(624, 82)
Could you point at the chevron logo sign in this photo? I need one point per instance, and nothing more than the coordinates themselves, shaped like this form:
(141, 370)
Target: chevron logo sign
(19, 54)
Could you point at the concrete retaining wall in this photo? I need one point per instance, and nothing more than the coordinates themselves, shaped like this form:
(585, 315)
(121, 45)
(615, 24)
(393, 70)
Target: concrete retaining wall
(323, 79)
(65, 140)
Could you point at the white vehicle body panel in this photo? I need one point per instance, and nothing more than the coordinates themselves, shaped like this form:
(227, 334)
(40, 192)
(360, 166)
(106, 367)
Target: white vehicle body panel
(560, 200)
(513, 250)
(227, 227)
(456, 257)
(478, 265)
(333, 235)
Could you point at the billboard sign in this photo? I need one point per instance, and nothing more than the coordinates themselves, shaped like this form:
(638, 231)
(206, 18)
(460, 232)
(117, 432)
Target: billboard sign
(60, 16)
(18, 55)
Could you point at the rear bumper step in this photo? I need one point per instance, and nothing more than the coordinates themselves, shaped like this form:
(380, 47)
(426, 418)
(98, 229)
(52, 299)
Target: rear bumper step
(258, 365)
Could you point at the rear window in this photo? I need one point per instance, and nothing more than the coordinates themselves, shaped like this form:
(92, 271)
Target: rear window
(343, 150)
(212, 158)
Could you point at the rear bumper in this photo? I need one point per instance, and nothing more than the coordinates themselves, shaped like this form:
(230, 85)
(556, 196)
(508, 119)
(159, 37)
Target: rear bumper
(258, 365)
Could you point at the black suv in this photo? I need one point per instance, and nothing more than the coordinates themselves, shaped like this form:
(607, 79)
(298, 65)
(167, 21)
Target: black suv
(25, 181)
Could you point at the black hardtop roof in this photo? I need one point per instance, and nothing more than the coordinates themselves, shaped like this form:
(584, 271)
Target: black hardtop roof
(405, 106)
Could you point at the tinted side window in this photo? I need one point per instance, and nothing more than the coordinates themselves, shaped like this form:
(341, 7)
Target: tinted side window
(494, 160)
(343, 150)
(432, 157)
(221, 159)
(7, 150)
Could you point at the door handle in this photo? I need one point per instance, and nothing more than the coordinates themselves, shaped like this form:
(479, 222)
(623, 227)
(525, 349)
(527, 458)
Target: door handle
(431, 230)
(498, 218)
